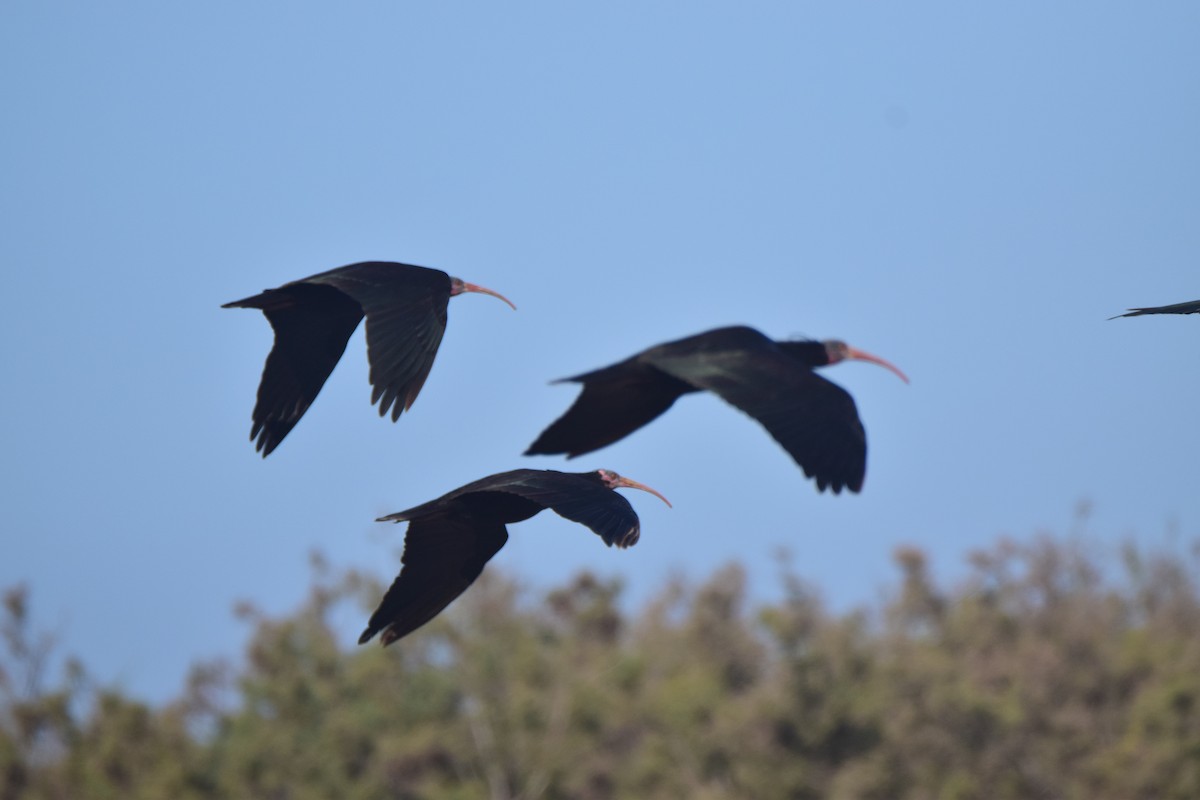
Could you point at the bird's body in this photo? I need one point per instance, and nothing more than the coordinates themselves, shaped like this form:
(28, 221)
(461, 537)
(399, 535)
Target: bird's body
(450, 539)
(1179, 308)
(313, 318)
(815, 420)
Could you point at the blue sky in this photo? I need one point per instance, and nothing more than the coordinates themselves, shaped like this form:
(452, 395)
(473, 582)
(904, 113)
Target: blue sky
(967, 191)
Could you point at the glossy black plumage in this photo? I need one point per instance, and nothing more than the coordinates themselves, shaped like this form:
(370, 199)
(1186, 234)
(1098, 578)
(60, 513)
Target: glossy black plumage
(814, 420)
(450, 539)
(1179, 308)
(313, 318)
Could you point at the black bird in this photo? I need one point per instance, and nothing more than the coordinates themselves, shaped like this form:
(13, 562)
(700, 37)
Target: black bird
(450, 539)
(814, 420)
(313, 318)
(1179, 308)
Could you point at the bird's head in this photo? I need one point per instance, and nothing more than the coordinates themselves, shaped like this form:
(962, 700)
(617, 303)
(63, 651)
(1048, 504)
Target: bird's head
(458, 286)
(838, 351)
(612, 480)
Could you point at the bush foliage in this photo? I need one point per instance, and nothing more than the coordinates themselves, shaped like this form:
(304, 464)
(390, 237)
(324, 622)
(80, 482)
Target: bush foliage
(1043, 675)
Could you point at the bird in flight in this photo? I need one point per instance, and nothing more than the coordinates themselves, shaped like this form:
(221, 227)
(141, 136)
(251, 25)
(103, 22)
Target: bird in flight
(313, 318)
(814, 420)
(1179, 308)
(450, 539)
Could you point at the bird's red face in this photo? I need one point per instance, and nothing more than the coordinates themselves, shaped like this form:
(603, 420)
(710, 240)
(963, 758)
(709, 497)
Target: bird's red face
(840, 351)
(613, 481)
(458, 286)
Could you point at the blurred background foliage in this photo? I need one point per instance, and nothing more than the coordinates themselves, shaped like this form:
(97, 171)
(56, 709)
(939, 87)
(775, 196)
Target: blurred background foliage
(1049, 672)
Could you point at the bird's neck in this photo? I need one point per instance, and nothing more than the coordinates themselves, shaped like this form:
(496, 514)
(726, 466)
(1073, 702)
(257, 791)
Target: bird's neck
(810, 353)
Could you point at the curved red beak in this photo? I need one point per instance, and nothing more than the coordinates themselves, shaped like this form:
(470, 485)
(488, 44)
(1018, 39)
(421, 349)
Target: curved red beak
(472, 287)
(631, 484)
(862, 355)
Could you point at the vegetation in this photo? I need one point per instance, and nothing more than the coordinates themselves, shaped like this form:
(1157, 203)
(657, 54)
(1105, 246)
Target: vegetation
(1042, 676)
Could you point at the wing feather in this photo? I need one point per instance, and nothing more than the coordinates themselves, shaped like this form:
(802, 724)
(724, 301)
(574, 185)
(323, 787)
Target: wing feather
(615, 402)
(814, 420)
(405, 306)
(312, 326)
(443, 555)
(581, 498)
(1192, 307)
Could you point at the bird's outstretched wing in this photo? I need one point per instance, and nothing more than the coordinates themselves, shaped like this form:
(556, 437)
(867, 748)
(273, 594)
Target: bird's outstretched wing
(814, 420)
(405, 306)
(443, 554)
(312, 325)
(1179, 308)
(615, 402)
(581, 498)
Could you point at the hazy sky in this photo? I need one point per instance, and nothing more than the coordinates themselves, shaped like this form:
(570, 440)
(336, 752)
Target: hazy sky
(966, 190)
